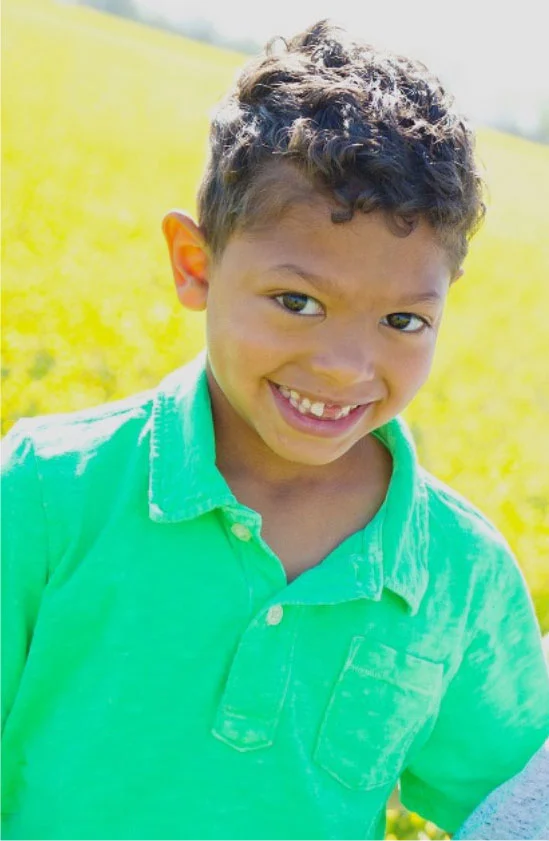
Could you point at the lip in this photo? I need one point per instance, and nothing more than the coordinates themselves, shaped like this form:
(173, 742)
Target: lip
(316, 426)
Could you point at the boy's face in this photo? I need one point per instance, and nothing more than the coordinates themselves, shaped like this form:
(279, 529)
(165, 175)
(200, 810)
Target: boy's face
(306, 318)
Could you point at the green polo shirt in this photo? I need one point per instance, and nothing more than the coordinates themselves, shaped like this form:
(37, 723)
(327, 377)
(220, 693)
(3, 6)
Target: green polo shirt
(162, 680)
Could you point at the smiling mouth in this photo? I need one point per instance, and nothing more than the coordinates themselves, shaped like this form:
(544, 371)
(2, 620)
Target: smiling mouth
(316, 408)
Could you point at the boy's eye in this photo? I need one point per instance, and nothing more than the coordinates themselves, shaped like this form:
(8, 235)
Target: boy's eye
(406, 322)
(299, 303)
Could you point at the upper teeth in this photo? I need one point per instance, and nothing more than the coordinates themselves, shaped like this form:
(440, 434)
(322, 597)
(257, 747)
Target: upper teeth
(304, 405)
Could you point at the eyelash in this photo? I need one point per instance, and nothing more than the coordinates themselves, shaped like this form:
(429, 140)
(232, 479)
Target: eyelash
(302, 297)
(279, 299)
(411, 315)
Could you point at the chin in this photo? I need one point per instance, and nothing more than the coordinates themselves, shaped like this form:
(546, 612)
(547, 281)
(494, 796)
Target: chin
(308, 459)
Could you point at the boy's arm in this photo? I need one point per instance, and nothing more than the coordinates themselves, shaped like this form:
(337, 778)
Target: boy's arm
(24, 557)
(494, 714)
(517, 809)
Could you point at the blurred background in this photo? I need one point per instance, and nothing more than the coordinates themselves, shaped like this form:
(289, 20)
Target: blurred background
(105, 121)
(493, 56)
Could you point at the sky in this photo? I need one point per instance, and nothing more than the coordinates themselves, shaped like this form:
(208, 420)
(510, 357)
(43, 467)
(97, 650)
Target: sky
(494, 56)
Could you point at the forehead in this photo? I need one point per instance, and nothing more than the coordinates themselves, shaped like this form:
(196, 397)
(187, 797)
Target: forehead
(282, 195)
(361, 257)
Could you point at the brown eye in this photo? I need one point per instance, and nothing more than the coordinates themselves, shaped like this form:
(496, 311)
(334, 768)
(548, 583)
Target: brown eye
(406, 322)
(298, 303)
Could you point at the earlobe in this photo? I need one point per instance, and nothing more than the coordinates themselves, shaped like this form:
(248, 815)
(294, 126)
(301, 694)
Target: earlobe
(189, 258)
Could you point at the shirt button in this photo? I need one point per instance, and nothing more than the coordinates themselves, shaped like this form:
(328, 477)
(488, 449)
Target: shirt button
(274, 614)
(241, 532)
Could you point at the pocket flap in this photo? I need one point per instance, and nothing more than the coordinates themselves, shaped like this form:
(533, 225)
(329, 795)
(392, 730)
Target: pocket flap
(380, 660)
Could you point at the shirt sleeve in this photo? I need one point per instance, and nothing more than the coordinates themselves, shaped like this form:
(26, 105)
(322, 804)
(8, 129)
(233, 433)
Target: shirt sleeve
(494, 715)
(24, 557)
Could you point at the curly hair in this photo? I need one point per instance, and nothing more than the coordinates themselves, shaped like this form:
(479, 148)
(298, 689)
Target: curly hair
(370, 130)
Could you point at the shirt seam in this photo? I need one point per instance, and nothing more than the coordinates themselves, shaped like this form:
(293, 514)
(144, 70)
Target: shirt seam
(437, 804)
(41, 491)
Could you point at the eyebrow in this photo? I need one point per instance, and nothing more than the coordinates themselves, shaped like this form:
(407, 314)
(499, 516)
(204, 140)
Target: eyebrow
(327, 285)
(430, 296)
(324, 284)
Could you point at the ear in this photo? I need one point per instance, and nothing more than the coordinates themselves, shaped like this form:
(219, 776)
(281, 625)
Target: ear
(189, 258)
(457, 275)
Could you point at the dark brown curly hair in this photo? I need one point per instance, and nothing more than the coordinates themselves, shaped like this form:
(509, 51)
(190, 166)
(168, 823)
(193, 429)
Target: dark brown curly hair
(368, 129)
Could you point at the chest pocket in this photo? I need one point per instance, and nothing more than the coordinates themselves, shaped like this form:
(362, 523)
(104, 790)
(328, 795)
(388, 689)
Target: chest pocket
(382, 699)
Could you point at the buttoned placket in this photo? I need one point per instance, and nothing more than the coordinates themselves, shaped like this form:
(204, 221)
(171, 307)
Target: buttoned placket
(249, 712)
(253, 699)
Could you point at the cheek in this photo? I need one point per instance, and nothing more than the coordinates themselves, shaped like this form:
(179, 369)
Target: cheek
(247, 323)
(242, 339)
(415, 365)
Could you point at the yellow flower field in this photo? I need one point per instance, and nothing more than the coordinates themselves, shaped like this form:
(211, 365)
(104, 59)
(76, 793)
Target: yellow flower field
(105, 126)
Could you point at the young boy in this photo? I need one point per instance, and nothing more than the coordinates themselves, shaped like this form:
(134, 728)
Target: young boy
(235, 606)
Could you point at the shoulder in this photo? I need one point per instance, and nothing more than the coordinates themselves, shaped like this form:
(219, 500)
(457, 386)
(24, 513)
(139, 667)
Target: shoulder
(71, 470)
(465, 543)
(83, 431)
(451, 511)
(442, 515)
(64, 453)
(88, 432)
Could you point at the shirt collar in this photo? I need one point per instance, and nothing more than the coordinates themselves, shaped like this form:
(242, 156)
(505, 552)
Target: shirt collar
(184, 483)
(405, 518)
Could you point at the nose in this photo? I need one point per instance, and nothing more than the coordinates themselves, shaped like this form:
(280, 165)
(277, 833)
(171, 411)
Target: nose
(345, 358)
